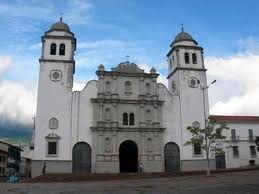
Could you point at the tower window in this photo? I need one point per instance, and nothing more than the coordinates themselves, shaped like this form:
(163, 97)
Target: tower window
(131, 119)
(194, 58)
(62, 49)
(53, 48)
(125, 119)
(186, 58)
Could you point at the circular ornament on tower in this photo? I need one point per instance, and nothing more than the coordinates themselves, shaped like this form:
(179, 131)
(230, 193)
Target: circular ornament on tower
(55, 75)
(193, 82)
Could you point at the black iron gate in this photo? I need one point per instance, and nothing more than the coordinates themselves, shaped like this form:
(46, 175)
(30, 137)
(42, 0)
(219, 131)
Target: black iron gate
(220, 162)
(82, 157)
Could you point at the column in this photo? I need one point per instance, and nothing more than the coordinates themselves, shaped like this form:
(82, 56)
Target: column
(177, 58)
(142, 90)
(101, 112)
(100, 83)
(115, 115)
(115, 84)
(155, 114)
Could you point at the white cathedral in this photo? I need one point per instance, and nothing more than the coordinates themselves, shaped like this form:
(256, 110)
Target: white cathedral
(123, 119)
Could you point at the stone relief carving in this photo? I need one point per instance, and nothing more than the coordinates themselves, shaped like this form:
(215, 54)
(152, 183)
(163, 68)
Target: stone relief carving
(53, 123)
(196, 124)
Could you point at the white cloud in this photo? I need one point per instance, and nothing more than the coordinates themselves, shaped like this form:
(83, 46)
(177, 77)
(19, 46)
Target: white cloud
(237, 89)
(5, 64)
(17, 102)
(93, 53)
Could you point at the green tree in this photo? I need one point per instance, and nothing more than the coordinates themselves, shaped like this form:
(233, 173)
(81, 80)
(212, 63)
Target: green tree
(209, 138)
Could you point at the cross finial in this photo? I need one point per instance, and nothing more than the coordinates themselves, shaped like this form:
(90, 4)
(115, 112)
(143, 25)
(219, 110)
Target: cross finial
(61, 14)
(127, 58)
(182, 28)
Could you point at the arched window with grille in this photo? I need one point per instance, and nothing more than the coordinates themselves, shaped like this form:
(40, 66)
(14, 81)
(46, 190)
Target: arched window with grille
(53, 48)
(131, 119)
(194, 58)
(125, 119)
(62, 49)
(186, 58)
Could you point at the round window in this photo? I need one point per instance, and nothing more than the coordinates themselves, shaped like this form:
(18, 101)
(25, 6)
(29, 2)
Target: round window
(55, 75)
(193, 82)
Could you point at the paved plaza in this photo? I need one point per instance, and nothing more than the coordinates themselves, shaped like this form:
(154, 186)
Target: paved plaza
(237, 182)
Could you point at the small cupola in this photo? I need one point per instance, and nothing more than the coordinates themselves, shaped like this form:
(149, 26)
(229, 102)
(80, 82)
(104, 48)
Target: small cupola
(184, 38)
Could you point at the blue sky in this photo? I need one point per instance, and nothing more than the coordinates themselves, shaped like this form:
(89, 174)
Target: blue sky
(108, 30)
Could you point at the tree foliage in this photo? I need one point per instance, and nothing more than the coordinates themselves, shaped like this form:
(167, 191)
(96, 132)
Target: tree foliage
(209, 138)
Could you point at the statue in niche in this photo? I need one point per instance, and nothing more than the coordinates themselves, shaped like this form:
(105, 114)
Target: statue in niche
(107, 144)
(107, 115)
(128, 87)
(149, 145)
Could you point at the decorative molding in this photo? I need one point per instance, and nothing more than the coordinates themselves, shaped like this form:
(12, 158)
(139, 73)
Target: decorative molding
(185, 68)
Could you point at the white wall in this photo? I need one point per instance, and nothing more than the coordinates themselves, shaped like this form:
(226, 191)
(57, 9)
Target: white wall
(243, 144)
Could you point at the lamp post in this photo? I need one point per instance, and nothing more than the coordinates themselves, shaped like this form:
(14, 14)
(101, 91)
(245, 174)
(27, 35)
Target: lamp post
(203, 93)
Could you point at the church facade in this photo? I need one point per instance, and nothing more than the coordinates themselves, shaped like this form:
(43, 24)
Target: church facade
(123, 119)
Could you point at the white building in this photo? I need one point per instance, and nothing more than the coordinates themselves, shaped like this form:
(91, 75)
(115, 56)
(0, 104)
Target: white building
(122, 119)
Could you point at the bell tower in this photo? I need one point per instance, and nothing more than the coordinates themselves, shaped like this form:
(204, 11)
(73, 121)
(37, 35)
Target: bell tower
(57, 66)
(187, 80)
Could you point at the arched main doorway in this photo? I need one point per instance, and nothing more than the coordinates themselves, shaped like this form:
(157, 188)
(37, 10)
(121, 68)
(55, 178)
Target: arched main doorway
(81, 157)
(128, 156)
(172, 157)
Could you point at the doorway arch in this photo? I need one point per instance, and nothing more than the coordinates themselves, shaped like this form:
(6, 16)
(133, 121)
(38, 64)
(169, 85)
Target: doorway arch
(81, 157)
(172, 157)
(128, 155)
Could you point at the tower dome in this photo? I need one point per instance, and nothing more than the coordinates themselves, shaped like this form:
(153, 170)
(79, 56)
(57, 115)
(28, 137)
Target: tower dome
(61, 26)
(183, 36)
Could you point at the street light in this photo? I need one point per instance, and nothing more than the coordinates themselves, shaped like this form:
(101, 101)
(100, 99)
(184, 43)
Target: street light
(203, 88)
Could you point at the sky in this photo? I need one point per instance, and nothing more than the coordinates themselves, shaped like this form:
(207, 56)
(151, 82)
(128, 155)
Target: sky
(109, 30)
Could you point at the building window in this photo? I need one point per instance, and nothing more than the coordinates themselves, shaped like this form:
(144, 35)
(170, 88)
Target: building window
(233, 134)
(62, 49)
(186, 58)
(52, 148)
(125, 118)
(131, 119)
(3, 159)
(235, 151)
(53, 48)
(194, 58)
(3, 170)
(128, 89)
(197, 149)
(170, 63)
(0, 158)
(252, 151)
(250, 134)
(108, 87)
